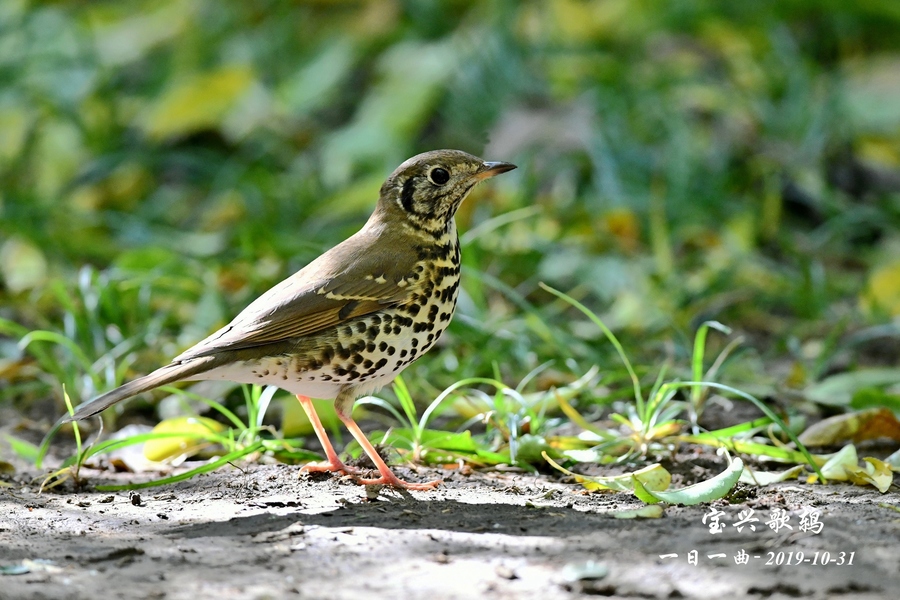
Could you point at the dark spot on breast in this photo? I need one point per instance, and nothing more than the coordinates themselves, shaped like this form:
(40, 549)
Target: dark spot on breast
(357, 358)
(382, 346)
(397, 330)
(370, 347)
(403, 353)
(361, 327)
(391, 350)
(348, 331)
(367, 364)
(413, 309)
(381, 363)
(414, 342)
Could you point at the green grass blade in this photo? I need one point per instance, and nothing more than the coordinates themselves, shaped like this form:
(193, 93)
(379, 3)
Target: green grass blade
(187, 474)
(638, 394)
(775, 419)
(217, 406)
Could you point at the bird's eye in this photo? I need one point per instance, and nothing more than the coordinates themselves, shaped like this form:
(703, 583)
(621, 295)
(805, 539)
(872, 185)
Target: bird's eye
(438, 176)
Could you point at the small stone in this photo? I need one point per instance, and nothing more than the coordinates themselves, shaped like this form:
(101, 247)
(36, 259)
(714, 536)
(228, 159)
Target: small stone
(505, 572)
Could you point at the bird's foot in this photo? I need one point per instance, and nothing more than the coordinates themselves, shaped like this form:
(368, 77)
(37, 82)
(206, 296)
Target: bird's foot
(331, 466)
(388, 478)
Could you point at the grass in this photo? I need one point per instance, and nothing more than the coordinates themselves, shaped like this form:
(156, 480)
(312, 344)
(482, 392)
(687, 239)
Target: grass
(681, 167)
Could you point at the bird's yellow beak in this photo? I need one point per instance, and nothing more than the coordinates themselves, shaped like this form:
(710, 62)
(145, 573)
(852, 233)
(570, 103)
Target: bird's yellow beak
(489, 169)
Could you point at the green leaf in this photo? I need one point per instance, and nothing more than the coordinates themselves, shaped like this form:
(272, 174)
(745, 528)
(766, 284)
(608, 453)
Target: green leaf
(838, 390)
(705, 491)
(23, 449)
(873, 397)
(641, 492)
(404, 437)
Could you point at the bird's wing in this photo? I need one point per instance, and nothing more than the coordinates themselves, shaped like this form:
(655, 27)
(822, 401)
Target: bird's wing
(325, 293)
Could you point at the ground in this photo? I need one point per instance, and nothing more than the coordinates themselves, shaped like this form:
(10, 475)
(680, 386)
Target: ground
(267, 531)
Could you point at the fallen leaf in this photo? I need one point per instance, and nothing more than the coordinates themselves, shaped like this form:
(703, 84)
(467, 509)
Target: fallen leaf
(651, 511)
(705, 491)
(858, 426)
(652, 477)
(874, 472)
(767, 478)
(193, 433)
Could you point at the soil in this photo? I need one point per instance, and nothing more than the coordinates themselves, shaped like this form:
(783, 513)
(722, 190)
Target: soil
(267, 531)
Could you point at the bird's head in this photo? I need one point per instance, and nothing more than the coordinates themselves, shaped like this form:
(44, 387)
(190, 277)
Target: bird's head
(427, 189)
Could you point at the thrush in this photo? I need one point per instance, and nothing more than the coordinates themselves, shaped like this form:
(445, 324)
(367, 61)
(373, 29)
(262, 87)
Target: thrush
(352, 319)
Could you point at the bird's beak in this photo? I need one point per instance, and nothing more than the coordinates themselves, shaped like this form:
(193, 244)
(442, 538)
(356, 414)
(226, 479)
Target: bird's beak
(489, 169)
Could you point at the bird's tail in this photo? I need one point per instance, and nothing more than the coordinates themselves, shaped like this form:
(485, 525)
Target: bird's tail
(168, 374)
(162, 376)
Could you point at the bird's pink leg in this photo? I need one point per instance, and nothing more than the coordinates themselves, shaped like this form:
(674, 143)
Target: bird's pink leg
(387, 476)
(333, 463)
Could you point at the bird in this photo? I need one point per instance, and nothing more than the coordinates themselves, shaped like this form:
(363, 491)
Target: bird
(352, 319)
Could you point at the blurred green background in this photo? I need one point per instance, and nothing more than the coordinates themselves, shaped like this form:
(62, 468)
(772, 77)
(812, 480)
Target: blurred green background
(162, 163)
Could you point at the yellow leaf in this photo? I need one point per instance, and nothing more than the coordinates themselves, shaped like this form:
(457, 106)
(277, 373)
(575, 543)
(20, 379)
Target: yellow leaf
(874, 472)
(193, 433)
(22, 265)
(858, 426)
(623, 226)
(199, 102)
(15, 121)
(882, 293)
(653, 477)
(844, 466)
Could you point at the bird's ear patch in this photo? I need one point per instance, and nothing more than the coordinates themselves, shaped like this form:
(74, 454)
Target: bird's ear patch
(407, 195)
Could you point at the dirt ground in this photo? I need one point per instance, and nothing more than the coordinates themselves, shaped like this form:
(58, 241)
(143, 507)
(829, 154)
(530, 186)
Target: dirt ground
(265, 531)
